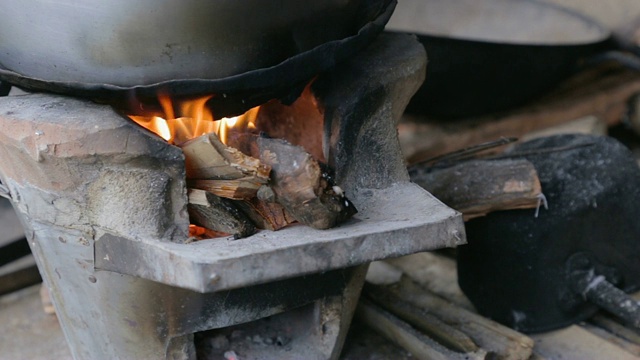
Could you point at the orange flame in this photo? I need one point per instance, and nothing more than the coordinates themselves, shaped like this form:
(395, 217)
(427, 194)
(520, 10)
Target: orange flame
(195, 120)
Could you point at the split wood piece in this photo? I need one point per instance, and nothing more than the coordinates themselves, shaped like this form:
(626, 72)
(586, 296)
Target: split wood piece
(266, 215)
(478, 187)
(420, 319)
(206, 157)
(504, 342)
(603, 92)
(302, 187)
(237, 189)
(405, 336)
(219, 214)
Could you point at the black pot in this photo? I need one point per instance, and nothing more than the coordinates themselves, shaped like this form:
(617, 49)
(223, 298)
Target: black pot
(490, 55)
(538, 273)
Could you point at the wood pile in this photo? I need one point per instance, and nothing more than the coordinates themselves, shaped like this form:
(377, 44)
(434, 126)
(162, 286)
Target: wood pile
(424, 311)
(234, 193)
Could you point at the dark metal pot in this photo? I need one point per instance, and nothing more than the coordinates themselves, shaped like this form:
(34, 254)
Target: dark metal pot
(489, 55)
(542, 273)
(242, 52)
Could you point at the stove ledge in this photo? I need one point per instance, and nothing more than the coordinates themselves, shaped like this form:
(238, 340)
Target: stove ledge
(395, 221)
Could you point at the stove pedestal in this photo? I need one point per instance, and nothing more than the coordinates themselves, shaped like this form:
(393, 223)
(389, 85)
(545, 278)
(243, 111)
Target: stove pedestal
(103, 203)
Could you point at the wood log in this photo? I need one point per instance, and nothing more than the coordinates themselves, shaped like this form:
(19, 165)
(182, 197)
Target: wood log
(301, 187)
(477, 187)
(405, 336)
(504, 342)
(219, 214)
(420, 319)
(237, 189)
(440, 294)
(206, 157)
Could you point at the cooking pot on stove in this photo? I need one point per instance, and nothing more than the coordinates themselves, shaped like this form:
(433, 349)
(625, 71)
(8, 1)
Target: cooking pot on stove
(246, 52)
(125, 43)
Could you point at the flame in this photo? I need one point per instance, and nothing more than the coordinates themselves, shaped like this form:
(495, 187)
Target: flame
(195, 119)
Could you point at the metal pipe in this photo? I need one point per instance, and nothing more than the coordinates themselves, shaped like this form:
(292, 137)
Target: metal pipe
(607, 296)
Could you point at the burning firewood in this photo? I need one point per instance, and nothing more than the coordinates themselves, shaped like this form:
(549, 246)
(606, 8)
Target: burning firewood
(215, 213)
(266, 215)
(300, 187)
(206, 157)
(237, 189)
(216, 172)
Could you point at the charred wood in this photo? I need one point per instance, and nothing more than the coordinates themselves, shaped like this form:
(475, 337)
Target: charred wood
(215, 213)
(300, 187)
(266, 215)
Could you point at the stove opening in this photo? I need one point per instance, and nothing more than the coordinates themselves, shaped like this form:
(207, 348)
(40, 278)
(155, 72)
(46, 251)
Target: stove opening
(263, 169)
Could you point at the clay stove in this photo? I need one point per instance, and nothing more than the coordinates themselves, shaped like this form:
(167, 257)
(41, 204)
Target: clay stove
(103, 202)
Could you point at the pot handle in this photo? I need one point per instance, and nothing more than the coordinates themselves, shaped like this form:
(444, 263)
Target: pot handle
(595, 288)
(630, 60)
(625, 53)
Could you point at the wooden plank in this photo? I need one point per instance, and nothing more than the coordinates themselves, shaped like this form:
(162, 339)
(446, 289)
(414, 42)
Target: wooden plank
(587, 125)
(603, 93)
(575, 342)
